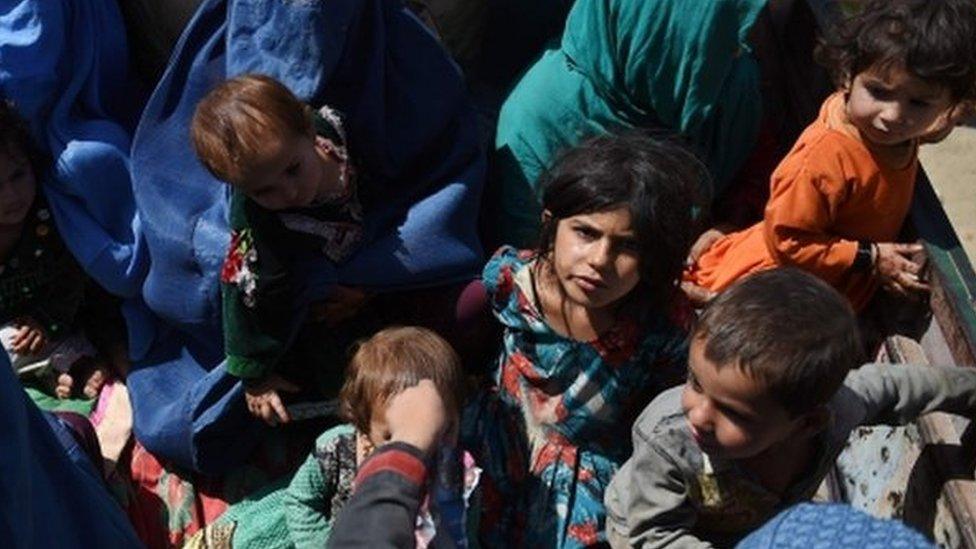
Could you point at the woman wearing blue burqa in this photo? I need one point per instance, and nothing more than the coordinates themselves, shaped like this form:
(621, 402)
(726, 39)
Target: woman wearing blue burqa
(159, 240)
(406, 117)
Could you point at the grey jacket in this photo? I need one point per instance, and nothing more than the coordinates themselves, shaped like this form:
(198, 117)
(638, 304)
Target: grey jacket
(669, 494)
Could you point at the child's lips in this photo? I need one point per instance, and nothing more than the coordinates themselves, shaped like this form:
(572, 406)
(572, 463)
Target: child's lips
(589, 283)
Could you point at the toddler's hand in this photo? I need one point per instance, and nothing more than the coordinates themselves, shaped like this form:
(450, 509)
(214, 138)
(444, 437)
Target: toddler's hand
(417, 416)
(699, 296)
(705, 241)
(30, 338)
(897, 272)
(264, 402)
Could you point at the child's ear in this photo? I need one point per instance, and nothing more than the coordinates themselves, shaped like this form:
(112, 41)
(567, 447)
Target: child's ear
(813, 422)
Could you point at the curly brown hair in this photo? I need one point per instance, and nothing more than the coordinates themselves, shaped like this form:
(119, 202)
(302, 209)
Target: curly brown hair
(932, 39)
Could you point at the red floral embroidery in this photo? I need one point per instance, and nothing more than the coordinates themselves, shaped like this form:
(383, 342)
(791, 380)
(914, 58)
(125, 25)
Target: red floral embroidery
(586, 533)
(238, 265)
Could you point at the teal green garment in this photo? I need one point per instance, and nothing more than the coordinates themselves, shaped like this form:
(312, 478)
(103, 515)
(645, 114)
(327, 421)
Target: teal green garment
(298, 511)
(44, 401)
(678, 64)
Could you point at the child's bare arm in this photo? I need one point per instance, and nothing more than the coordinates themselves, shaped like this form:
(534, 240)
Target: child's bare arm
(895, 394)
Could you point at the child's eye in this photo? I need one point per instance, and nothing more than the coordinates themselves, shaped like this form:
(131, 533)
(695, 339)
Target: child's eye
(693, 382)
(735, 416)
(586, 233)
(877, 92)
(920, 103)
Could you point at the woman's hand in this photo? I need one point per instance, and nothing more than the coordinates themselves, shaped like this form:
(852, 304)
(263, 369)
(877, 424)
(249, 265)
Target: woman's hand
(896, 270)
(417, 416)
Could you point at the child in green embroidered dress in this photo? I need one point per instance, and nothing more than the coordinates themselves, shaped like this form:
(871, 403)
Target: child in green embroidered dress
(42, 288)
(294, 190)
(769, 403)
(390, 362)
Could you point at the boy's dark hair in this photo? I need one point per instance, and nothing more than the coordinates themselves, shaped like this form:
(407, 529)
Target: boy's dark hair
(393, 360)
(787, 329)
(657, 178)
(232, 124)
(15, 137)
(934, 40)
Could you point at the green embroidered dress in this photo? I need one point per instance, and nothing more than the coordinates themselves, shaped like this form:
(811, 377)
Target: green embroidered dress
(259, 286)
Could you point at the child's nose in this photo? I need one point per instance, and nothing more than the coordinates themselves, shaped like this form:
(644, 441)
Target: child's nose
(600, 254)
(700, 416)
(892, 113)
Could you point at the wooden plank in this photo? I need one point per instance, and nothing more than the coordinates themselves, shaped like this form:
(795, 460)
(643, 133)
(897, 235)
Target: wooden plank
(951, 274)
(948, 443)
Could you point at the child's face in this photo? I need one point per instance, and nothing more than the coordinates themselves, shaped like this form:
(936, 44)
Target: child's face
(17, 188)
(294, 174)
(893, 107)
(730, 414)
(595, 257)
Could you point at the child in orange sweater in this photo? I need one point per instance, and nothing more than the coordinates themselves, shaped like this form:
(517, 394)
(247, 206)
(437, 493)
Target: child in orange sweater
(907, 72)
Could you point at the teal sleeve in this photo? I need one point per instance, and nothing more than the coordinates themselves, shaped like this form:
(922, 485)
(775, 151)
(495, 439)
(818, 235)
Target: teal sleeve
(307, 509)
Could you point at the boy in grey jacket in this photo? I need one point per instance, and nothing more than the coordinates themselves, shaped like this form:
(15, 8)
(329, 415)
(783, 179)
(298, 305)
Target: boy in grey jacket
(769, 404)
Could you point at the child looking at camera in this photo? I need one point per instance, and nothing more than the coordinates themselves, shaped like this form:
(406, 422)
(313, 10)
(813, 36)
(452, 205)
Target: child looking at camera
(907, 72)
(593, 331)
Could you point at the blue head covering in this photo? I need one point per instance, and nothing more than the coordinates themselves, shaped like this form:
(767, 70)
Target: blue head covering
(410, 127)
(50, 494)
(64, 65)
(829, 526)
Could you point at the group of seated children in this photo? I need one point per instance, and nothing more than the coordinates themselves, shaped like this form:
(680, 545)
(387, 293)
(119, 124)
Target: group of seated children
(596, 327)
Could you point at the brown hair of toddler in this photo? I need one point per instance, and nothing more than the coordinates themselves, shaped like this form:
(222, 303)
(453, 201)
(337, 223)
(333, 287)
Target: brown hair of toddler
(393, 360)
(235, 121)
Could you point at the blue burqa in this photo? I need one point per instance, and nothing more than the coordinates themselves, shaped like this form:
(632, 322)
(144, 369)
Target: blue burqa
(409, 124)
(50, 493)
(408, 121)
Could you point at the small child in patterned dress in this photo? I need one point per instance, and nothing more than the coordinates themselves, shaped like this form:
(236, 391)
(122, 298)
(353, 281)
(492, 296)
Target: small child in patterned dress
(386, 364)
(42, 287)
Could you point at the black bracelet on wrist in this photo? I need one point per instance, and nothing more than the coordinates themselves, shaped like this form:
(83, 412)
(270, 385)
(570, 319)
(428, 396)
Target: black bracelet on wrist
(864, 257)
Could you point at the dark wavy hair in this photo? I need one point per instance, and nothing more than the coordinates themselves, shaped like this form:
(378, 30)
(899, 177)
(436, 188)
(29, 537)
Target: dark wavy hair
(934, 40)
(802, 366)
(656, 177)
(15, 137)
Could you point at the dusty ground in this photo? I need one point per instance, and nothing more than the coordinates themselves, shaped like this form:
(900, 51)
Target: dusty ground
(951, 165)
